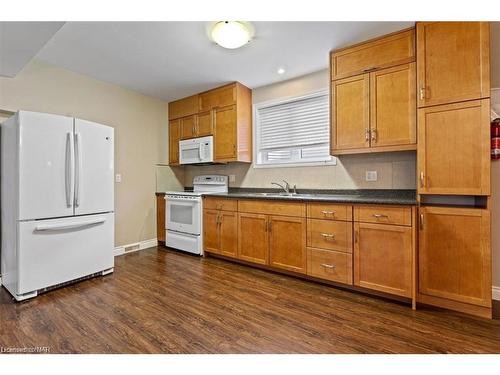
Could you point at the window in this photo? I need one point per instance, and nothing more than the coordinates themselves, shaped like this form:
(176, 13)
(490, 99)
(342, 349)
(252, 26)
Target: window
(293, 132)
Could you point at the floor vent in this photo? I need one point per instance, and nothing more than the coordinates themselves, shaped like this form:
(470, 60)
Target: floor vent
(133, 247)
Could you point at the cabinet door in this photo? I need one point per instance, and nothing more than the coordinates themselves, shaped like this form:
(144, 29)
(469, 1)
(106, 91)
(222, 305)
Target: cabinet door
(160, 217)
(228, 227)
(455, 254)
(188, 127)
(204, 125)
(393, 118)
(183, 107)
(225, 133)
(394, 49)
(219, 97)
(383, 258)
(211, 241)
(452, 62)
(350, 113)
(253, 244)
(173, 142)
(287, 243)
(453, 149)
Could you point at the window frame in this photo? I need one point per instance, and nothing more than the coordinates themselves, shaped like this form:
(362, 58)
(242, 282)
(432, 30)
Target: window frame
(256, 131)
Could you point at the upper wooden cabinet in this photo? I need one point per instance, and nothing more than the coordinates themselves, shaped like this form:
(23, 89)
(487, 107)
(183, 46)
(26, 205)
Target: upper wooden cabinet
(453, 149)
(393, 49)
(393, 119)
(350, 113)
(188, 127)
(225, 113)
(453, 62)
(174, 135)
(457, 240)
(374, 111)
(219, 97)
(183, 107)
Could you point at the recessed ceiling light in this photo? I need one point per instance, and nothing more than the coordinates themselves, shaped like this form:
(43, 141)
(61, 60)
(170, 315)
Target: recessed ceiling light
(281, 70)
(231, 34)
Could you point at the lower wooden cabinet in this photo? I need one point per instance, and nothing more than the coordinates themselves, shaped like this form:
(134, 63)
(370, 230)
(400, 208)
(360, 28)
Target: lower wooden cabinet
(160, 218)
(287, 243)
(383, 258)
(455, 254)
(330, 265)
(253, 244)
(220, 232)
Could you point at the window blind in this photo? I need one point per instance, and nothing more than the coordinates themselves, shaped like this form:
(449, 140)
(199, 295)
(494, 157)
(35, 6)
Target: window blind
(296, 130)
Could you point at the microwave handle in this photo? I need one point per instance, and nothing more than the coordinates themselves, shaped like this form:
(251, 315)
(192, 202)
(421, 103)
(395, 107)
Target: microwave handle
(199, 150)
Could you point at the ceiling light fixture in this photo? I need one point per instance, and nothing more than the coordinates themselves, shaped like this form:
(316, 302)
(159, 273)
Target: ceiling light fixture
(281, 70)
(231, 34)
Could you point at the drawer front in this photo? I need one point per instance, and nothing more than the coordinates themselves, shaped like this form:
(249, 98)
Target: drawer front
(383, 215)
(329, 265)
(220, 97)
(270, 207)
(329, 211)
(330, 235)
(220, 204)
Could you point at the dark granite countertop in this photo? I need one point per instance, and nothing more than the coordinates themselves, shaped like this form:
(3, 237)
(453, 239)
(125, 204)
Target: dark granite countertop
(371, 196)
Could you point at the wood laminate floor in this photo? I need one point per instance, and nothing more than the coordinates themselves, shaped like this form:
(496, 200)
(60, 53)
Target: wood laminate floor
(161, 301)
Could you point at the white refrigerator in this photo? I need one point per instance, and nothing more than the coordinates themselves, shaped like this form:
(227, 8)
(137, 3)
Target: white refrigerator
(57, 201)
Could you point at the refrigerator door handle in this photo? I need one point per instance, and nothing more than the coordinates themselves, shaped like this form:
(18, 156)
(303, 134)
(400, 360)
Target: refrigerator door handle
(69, 166)
(55, 227)
(78, 168)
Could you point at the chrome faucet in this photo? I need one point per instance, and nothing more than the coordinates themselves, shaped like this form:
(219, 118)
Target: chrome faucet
(286, 187)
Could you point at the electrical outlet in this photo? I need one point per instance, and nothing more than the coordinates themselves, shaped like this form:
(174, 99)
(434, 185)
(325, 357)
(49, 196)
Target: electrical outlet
(118, 178)
(371, 176)
(232, 178)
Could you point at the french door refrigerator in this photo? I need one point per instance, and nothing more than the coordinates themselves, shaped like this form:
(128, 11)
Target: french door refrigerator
(57, 201)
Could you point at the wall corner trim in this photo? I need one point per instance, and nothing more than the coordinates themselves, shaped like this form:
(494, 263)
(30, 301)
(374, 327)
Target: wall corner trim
(130, 248)
(496, 293)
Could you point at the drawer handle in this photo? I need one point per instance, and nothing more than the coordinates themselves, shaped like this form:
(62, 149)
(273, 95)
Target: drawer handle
(380, 216)
(330, 266)
(328, 212)
(328, 235)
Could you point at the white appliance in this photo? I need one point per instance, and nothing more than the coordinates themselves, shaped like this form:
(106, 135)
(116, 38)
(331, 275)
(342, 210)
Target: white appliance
(196, 150)
(57, 201)
(184, 225)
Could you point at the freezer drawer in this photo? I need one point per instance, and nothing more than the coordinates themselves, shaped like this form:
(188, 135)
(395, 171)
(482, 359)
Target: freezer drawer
(55, 251)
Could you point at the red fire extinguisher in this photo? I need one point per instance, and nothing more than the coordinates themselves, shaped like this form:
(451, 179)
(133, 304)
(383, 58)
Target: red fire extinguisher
(495, 139)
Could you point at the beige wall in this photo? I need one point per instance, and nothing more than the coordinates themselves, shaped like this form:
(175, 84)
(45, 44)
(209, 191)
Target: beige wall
(140, 124)
(395, 170)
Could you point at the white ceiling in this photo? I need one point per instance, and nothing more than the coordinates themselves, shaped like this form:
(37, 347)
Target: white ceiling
(170, 60)
(20, 41)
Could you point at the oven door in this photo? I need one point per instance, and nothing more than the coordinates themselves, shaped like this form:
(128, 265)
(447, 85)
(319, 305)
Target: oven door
(183, 215)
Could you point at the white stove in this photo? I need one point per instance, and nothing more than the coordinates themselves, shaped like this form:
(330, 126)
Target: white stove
(184, 212)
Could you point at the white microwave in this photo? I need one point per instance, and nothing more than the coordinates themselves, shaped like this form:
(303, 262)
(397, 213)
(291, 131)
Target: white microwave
(196, 150)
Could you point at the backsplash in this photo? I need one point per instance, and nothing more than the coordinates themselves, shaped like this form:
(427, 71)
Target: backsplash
(394, 171)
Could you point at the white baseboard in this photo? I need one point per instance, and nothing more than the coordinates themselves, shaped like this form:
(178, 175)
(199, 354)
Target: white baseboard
(130, 248)
(496, 293)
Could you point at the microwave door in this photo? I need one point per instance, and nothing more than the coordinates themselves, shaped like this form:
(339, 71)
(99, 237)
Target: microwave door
(190, 154)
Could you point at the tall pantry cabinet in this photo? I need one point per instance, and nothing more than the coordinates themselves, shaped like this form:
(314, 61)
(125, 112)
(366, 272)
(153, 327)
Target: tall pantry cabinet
(453, 89)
